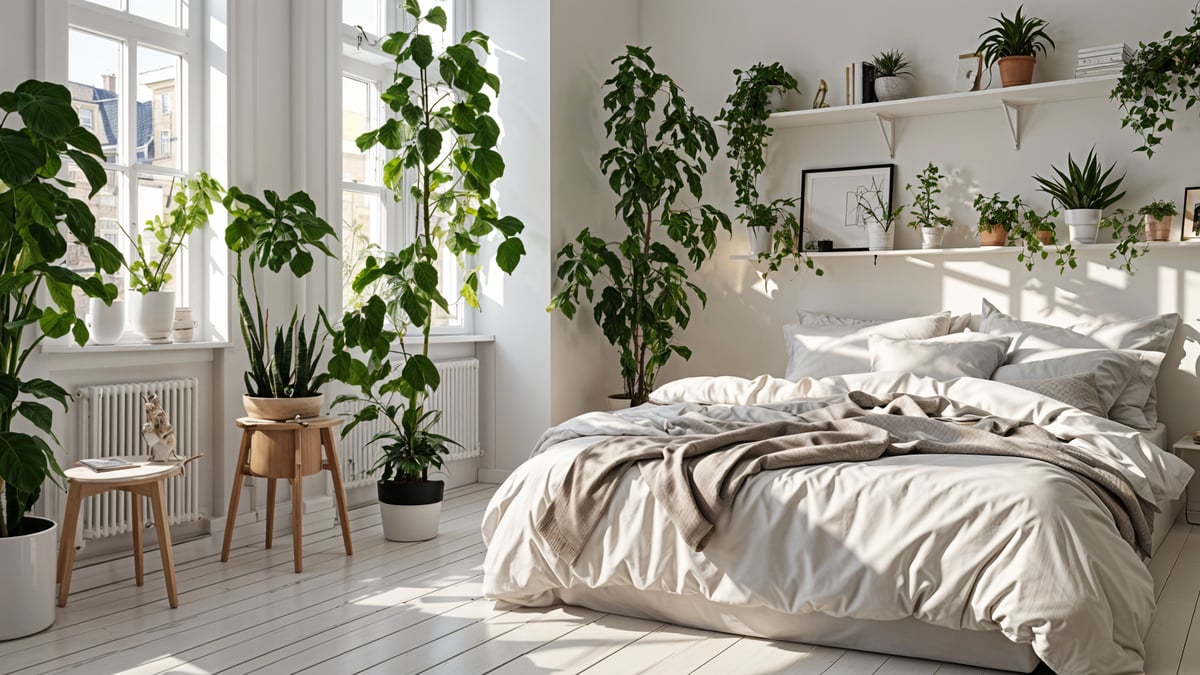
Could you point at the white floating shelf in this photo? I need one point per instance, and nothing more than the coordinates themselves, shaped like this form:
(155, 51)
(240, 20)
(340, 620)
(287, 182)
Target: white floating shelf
(970, 250)
(1008, 100)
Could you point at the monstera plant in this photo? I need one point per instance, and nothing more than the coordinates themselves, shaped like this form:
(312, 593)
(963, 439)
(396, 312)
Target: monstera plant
(39, 135)
(441, 140)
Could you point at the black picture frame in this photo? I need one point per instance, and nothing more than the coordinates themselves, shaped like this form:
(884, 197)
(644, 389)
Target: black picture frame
(810, 202)
(1188, 218)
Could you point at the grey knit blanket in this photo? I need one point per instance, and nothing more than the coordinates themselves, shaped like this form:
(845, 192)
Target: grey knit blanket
(695, 474)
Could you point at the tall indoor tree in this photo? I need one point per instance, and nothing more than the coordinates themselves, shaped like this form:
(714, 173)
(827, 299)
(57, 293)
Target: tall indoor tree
(638, 286)
(441, 136)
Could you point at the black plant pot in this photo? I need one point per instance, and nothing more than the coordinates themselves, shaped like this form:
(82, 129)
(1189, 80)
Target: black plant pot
(824, 245)
(410, 511)
(417, 493)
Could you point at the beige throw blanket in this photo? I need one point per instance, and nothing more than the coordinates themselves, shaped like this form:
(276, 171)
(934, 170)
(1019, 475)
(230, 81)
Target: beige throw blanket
(696, 476)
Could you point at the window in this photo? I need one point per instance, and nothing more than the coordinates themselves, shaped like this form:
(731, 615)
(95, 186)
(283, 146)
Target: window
(128, 62)
(371, 216)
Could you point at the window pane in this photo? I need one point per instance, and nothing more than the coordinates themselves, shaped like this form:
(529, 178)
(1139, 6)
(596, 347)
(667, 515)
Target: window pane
(362, 228)
(94, 71)
(359, 102)
(161, 11)
(450, 281)
(106, 206)
(118, 5)
(435, 33)
(154, 195)
(365, 13)
(159, 138)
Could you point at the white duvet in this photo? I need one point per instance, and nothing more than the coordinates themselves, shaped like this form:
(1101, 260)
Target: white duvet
(981, 543)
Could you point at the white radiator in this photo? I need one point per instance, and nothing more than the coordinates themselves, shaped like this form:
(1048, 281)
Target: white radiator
(111, 420)
(457, 398)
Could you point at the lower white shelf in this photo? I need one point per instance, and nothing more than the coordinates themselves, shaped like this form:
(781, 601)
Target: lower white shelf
(971, 250)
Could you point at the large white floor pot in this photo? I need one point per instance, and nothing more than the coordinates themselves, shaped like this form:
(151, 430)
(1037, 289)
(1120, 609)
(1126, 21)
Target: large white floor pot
(28, 565)
(154, 315)
(410, 511)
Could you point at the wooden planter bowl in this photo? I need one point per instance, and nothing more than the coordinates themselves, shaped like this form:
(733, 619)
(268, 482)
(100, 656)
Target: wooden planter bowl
(283, 409)
(1016, 70)
(997, 237)
(272, 453)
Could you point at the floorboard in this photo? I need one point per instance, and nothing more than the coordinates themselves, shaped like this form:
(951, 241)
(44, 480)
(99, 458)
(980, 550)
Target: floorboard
(419, 608)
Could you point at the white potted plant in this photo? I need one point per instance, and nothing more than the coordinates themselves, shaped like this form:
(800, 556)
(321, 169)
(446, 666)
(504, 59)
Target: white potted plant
(1158, 216)
(37, 213)
(925, 209)
(996, 218)
(890, 70)
(878, 217)
(153, 307)
(1083, 193)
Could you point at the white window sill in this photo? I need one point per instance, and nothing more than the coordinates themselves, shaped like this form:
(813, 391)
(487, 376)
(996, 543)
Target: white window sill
(128, 346)
(449, 339)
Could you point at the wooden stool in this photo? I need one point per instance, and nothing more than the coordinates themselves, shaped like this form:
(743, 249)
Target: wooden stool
(290, 450)
(144, 480)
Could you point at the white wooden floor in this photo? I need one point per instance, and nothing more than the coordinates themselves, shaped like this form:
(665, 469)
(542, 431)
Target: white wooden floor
(409, 608)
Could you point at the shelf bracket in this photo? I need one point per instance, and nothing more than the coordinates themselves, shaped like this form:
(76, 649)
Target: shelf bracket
(1012, 112)
(887, 125)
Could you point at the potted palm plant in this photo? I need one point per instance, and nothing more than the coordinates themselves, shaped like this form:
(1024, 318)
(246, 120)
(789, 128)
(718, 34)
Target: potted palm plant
(878, 216)
(1083, 193)
(890, 70)
(1014, 44)
(445, 147)
(36, 215)
(1158, 215)
(284, 378)
(996, 217)
(149, 272)
(644, 297)
(925, 209)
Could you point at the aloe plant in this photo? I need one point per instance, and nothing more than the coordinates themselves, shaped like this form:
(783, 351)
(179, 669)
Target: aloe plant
(891, 63)
(1085, 187)
(1019, 36)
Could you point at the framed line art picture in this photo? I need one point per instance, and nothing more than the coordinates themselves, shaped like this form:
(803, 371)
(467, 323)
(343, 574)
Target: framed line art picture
(829, 203)
(1191, 214)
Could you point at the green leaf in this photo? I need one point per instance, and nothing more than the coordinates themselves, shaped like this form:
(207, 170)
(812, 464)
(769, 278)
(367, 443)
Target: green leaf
(437, 17)
(421, 373)
(85, 141)
(20, 159)
(488, 165)
(509, 253)
(22, 462)
(430, 142)
(301, 263)
(96, 176)
(421, 49)
(44, 389)
(9, 389)
(40, 415)
(55, 324)
(46, 109)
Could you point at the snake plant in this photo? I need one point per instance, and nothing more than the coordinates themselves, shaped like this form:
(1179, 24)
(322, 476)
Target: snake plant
(1085, 187)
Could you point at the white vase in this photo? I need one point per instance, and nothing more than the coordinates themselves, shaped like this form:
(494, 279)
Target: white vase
(879, 239)
(30, 563)
(1083, 224)
(760, 240)
(891, 88)
(154, 315)
(106, 323)
(931, 237)
(405, 522)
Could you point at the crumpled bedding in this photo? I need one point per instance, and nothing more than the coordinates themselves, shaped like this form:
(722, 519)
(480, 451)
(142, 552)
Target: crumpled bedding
(960, 541)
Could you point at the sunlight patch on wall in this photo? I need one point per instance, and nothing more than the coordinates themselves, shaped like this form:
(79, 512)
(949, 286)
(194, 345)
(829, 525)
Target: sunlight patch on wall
(1112, 277)
(965, 282)
(765, 287)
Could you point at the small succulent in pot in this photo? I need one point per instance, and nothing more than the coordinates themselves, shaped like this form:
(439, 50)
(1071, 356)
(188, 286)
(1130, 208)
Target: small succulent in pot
(1014, 44)
(1158, 216)
(890, 67)
(996, 217)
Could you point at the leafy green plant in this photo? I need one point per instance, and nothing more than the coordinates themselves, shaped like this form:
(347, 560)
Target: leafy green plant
(891, 63)
(1018, 36)
(193, 207)
(745, 115)
(924, 206)
(1025, 231)
(875, 207)
(1126, 229)
(271, 235)
(996, 212)
(36, 215)
(441, 135)
(1159, 209)
(1161, 76)
(1084, 187)
(643, 286)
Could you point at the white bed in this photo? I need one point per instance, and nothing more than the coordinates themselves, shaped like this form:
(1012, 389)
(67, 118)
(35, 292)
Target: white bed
(635, 564)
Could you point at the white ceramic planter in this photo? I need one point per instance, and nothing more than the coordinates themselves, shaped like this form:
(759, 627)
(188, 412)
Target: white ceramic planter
(154, 315)
(106, 323)
(879, 239)
(402, 522)
(931, 237)
(30, 563)
(891, 88)
(1083, 224)
(760, 240)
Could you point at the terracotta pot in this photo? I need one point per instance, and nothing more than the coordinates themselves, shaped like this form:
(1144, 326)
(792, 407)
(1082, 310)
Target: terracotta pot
(1046, 237)
(283, 409)
(1016, 70)
(997, 237)
(1158, 230)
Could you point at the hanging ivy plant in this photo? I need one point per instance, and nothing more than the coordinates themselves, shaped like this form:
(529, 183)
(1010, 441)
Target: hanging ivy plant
(1161, 76)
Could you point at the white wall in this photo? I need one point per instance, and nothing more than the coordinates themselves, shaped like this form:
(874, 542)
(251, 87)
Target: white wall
(699, 42)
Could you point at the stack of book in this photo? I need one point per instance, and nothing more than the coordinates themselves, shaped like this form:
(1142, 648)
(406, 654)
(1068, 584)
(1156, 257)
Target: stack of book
(860, 83)
(1101, 61)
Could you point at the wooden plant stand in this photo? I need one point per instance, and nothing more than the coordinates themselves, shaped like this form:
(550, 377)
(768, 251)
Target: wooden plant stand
(289, 450)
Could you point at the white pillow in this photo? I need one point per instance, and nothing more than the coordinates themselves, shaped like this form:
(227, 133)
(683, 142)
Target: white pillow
(824, 350)
(1078, 391)
(942, 358)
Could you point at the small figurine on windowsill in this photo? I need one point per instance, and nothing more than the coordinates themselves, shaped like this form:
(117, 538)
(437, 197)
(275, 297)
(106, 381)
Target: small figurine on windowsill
(158, 432)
